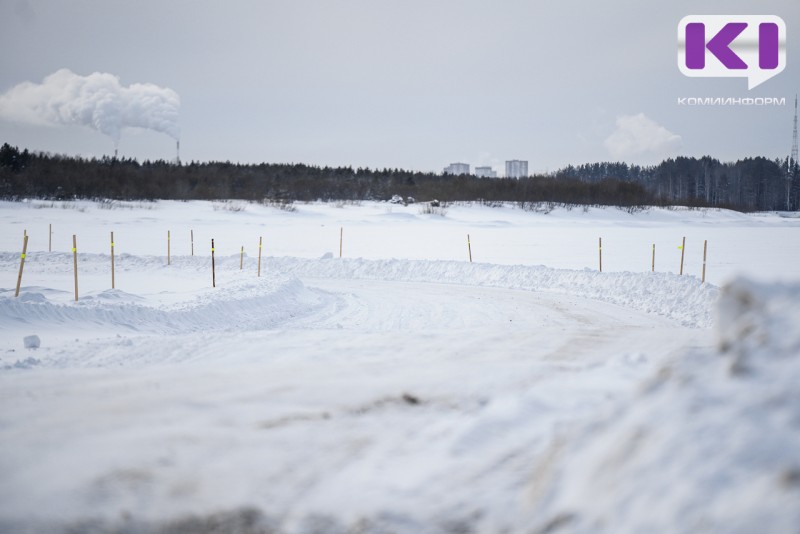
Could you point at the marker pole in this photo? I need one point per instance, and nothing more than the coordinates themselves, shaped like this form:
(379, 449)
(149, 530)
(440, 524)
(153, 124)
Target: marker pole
(112, 261)
(683, 252)
(21, 263)
(600, 252)
(213, 267)
(653, 267)
(705, 250)
(259, 255)
(75, 263)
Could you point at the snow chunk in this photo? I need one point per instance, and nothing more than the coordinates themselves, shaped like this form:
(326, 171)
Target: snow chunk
(32, 342)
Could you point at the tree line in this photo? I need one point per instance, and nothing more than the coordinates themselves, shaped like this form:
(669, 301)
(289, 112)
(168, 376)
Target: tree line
(748, 185)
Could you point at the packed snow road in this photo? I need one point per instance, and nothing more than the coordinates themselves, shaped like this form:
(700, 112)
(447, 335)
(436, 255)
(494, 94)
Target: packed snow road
(358, 405)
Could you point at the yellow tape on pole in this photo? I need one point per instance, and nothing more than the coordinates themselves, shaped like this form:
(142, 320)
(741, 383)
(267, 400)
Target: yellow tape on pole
(22, 263)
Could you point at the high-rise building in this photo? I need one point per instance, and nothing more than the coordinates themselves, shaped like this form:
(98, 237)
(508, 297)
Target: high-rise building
(485, 172)
(516, 168)
(457, 168)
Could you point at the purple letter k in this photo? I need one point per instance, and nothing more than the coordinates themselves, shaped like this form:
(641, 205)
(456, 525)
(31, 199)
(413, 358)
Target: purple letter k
(719, 45)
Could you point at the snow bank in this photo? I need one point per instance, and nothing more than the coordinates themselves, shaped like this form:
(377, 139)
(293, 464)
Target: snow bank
(683, 299)
(710, 444)
(237, 303)
(254, 306)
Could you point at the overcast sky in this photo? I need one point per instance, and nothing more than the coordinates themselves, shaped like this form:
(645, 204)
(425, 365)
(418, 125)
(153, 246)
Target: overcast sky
(413, 84)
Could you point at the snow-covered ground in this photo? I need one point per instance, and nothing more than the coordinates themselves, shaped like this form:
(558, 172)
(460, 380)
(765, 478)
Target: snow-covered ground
(400, 388)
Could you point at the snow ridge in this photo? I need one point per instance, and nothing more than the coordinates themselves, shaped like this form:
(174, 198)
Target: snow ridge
(680, 298)
(258, 309)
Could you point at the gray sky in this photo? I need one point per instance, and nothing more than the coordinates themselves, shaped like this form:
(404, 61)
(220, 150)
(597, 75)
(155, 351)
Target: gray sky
(414, 84)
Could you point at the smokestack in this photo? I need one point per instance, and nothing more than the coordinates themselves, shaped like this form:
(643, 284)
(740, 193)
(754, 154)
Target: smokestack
(115, 153)
(178, 149)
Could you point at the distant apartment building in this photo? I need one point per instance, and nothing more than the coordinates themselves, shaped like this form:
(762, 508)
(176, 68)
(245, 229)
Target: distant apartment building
(457, 168)
(485, 172)
(516, 168)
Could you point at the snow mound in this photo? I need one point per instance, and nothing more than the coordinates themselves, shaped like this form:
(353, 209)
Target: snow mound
(709, 444)
(680, 298)
(253, 306)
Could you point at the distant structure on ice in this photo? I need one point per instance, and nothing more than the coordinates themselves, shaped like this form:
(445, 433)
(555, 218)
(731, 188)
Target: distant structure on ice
(457, 168)
(516, 168)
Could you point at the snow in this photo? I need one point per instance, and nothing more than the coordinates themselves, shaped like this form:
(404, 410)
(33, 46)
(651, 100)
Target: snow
(400, 388)
(708, 443)
(32, 342)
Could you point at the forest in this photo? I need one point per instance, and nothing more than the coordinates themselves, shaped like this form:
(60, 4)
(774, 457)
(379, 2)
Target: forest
(750, 184)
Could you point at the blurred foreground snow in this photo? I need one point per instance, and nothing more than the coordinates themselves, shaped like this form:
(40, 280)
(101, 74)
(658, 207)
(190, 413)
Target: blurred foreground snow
(711, 443)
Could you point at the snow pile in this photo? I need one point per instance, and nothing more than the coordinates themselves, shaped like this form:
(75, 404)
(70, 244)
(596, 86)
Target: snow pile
(710, 444)
(683, 299)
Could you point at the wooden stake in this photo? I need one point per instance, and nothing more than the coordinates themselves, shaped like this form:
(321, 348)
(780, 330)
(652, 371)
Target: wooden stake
(50, 239)
(469, 248)
(241, 259)
(213, 268)
(21, 263)
(259, 256)
(705, 250)
(75, 263)
(341, 235)
(192, 237)
(600, 250)
(683, 252)
(169, 261)
(653, 267)
(112, 261)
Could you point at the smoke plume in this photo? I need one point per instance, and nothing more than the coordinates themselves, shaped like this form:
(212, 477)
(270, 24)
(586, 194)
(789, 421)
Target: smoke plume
(97, 100)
